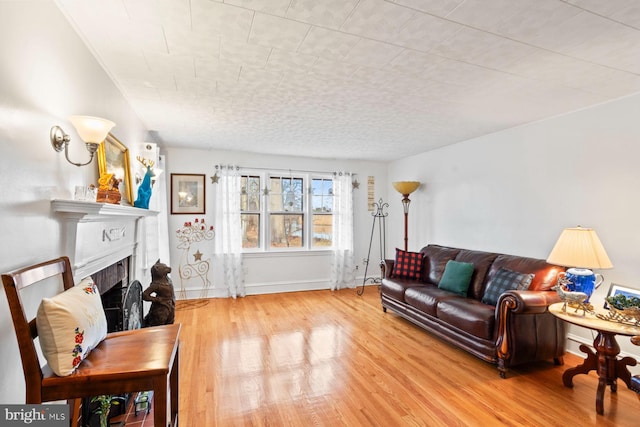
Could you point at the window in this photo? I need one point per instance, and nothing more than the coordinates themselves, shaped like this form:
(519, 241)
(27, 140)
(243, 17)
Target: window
(286, 212)
(292, 212)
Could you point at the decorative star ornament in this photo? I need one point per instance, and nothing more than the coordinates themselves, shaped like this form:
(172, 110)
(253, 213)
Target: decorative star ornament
(355, 184)
(198, 256)
(215, 178)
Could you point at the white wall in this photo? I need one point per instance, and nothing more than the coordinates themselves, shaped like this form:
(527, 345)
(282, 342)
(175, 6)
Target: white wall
(515, 191)
(46, 75)
(269, 272)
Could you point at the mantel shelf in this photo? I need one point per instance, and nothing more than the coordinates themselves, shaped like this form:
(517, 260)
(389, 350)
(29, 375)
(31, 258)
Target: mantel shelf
(84, 211)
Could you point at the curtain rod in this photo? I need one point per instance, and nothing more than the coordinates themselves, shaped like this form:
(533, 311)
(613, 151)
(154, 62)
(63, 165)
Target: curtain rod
(278, 169)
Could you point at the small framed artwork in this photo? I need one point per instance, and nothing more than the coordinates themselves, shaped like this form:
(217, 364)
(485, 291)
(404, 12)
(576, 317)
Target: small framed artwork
(187, 193)
(616, 289)
(113, 158)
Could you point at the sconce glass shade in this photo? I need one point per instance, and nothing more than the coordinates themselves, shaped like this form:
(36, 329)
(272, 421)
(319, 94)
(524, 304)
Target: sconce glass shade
(579, 247)
(91, 129)
(406, 187)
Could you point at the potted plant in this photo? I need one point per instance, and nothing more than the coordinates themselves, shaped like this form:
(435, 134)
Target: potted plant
(104, 406)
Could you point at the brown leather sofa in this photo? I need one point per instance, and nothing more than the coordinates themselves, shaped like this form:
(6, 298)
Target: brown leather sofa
(519, 329)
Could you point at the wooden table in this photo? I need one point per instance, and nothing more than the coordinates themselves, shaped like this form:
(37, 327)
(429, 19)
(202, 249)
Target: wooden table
(605, 358)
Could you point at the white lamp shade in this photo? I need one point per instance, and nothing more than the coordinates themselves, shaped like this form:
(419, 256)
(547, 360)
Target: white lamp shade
(579, 247)
(91, 129)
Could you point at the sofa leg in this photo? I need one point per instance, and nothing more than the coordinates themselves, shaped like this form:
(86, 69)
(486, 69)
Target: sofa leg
(384, 309)
(502, 369)
(558, 361)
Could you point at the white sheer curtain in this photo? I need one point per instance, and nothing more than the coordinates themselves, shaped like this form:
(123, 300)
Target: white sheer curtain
(342, 273)
(228, 240)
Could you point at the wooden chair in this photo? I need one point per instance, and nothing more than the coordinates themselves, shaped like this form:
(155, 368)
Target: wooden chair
(128, 361)
(635, 380)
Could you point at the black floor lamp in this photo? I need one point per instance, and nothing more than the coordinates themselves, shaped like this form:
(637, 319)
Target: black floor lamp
(406, 188)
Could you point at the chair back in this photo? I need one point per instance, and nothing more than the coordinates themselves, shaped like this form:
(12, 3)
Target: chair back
(27, 330)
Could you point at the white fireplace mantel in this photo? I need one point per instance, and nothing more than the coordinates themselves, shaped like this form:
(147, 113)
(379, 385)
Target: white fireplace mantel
(95, 235)
(91, 211)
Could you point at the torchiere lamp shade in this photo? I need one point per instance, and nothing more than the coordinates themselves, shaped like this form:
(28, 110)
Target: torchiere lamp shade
(406, 187)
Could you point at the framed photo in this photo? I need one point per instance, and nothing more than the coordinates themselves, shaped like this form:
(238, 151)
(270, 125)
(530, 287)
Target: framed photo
(187, 193)
(113, 157)
(616, 289)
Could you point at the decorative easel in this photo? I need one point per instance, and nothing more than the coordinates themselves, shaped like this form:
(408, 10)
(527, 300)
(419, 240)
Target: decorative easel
(379, 217)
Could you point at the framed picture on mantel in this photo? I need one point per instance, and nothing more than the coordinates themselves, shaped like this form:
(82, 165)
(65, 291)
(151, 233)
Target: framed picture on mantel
(113, 158)
(187, 193)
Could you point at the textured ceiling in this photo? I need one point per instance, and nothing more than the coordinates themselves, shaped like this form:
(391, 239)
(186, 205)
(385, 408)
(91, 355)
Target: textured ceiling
(357, 79)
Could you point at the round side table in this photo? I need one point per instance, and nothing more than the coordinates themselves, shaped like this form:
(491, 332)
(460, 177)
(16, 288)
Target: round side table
(605, 358)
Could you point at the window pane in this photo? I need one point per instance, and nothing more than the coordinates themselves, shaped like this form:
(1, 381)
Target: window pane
(250, 193)
(316, 202)
(286, 231)
(322, 230)
(286, 194)
(322, 199)
(250, 230)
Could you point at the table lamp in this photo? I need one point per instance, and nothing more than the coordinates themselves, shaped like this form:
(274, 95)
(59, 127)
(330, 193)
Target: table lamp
(581, 250)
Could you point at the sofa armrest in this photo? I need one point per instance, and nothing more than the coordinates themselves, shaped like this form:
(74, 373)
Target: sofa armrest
(387, 267)
(512, 332)
(525, 302)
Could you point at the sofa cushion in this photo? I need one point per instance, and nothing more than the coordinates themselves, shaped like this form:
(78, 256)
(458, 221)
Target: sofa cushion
(505, 280)
(456, 277)
(396, 287)
(426, 298)
(468, 315)
(435, 260)
(70, 325)
(481, 263)
(546, 275)
(408, 265)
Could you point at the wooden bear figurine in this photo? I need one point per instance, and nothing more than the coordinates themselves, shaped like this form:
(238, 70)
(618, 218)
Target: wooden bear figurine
(160, 293)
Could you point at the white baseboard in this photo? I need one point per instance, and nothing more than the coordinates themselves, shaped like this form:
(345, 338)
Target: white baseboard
(262, 288)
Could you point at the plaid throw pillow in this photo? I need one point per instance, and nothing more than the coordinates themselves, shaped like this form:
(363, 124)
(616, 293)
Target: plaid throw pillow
(505, 280)
(408, 265)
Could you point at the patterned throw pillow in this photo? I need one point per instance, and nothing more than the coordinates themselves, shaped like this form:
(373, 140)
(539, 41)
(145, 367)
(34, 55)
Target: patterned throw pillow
(505, 280)
(408, 265)
(70, 325)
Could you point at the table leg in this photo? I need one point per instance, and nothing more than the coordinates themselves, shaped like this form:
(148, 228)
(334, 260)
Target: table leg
(589, 364)
(605, 361)
(607, 349)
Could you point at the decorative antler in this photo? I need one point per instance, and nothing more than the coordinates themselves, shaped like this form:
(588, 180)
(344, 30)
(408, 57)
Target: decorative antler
(146, 162)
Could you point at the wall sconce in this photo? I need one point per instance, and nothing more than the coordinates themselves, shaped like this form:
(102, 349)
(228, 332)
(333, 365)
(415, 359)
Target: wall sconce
(92, 130)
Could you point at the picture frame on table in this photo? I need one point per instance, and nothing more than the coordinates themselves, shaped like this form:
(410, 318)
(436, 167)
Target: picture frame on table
(616, 289)
(113, 158)
(188, 193)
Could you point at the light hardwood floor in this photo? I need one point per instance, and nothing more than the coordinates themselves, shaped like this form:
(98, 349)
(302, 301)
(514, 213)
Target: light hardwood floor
(323, 358)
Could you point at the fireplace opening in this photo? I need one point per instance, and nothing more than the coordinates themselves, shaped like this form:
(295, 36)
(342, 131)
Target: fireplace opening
(121, 300)
(123, 308)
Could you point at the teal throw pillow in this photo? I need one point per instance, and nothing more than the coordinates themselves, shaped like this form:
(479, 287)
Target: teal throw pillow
(456, 277)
